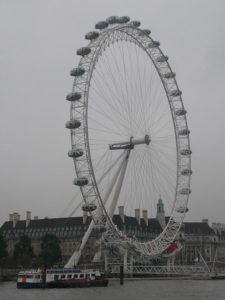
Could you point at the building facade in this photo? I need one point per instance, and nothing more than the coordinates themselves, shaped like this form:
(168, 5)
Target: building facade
(198, 238)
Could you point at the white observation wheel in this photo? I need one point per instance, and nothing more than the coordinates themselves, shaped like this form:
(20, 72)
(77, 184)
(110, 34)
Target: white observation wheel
(129, 133)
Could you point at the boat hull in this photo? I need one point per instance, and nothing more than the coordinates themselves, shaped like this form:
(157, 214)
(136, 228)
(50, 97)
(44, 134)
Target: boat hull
(67, 284)
(76, 284)
(104, 282)
(29, 285)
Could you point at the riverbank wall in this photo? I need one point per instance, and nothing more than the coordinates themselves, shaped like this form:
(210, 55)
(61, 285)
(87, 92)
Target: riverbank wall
(8, 274)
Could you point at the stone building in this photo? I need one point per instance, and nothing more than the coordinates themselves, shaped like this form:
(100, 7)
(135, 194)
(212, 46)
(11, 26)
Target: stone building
(219, 229)
(199, 239)
(71, 230)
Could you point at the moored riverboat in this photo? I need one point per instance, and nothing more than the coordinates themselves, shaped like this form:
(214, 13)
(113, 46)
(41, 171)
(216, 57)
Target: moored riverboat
(61, 278)
(30, 279)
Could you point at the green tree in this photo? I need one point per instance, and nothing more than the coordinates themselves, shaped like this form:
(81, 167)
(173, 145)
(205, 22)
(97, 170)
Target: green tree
(50, 250)
(3, 251)
(37, 262)
(23, 252)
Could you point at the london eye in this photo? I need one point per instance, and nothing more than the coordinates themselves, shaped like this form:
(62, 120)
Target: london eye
(129, 133)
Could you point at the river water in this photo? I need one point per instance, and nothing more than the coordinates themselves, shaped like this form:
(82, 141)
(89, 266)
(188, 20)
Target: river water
(131, 290)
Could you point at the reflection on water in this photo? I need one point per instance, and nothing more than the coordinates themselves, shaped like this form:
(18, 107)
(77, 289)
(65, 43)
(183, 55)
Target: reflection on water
(131, 290)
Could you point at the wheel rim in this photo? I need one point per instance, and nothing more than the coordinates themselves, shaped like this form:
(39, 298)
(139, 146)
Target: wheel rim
(114, 50)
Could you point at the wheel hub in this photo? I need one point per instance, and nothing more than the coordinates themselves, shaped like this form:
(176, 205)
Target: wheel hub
(131, 143)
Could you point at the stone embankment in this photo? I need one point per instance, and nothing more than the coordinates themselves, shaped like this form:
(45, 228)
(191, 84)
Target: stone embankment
(8, 274)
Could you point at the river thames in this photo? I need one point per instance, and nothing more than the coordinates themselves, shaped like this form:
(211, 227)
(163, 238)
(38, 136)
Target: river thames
(131, 290)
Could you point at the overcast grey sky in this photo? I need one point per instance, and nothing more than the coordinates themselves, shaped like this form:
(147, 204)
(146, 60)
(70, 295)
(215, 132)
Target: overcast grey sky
(38, 48)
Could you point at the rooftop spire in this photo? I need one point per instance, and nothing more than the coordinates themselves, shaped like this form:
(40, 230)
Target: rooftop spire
(160, 206)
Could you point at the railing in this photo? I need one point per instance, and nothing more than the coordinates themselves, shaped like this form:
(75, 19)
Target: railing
(160, 270)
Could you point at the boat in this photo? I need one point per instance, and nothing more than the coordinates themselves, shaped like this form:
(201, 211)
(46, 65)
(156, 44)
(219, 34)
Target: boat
(30, 279)
(61, 278)
(64, 278)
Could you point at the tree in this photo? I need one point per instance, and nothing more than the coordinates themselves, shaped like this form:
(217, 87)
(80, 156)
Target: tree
(37, 262)
(50, 250)
(3, 251)
(23, 252)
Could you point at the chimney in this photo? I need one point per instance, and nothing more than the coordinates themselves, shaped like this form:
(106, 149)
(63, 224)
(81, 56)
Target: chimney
(121, 213)
(85, 215)
(137, 215)
(14, 219)
(28, 218)
(145, 216)
(10, 217)
(35, 217)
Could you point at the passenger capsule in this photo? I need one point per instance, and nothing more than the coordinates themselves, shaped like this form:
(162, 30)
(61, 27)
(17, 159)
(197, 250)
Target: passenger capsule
(81, 181)
(180, 112)
(147, 31)
(162, 58)
(89, 207)
(83, 51)
(184, 132)
(135, 23)
(186, 152)
(154, 44)
(182, 210)
(75, 153)
(112, 20)
(175, 93)
(101, 25)
(77, 72)
(73, 96)
(185, 191)
(73, 124)
(169, 75)
(92, 35)
(123, 19)
(186, 172)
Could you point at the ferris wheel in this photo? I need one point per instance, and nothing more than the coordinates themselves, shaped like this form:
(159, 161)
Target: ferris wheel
(129, 132)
